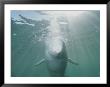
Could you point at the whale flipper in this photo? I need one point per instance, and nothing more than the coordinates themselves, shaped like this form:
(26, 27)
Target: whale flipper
(40, 62)
(71, 61)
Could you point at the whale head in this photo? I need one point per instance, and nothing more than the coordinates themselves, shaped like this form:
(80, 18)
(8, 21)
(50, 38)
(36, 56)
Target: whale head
(55, 47)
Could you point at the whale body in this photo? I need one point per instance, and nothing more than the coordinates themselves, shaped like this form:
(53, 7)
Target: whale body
(56, 58)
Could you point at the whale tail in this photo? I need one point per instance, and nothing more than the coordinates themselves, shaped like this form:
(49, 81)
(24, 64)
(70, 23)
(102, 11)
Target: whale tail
(73, 62)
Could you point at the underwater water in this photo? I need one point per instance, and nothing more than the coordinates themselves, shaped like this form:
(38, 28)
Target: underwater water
(80, 30)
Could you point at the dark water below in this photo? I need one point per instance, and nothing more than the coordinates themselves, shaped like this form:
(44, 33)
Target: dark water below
(83, 46)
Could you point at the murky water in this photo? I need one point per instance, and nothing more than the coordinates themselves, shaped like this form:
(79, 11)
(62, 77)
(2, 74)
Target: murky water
(80, 30)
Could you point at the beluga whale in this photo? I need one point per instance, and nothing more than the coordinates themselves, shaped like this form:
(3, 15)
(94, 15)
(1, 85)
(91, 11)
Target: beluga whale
(55, 53)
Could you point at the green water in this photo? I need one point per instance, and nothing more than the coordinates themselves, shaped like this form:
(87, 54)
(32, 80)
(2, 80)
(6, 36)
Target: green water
(27, 44)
